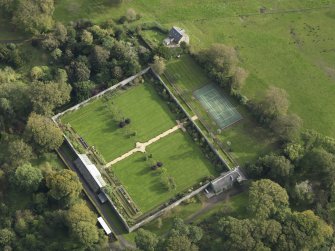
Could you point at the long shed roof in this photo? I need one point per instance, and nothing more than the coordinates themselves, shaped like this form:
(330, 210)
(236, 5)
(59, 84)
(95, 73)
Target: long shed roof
(91, 168)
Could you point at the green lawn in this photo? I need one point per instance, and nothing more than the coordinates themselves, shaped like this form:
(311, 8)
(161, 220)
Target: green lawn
(188, 77)
(235, 206)
(187, 74)
(149, 116)
(181, 157)
(154, 37)
(293, 50)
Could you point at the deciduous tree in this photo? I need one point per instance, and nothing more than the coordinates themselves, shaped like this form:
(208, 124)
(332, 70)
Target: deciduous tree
(275, 102)
(28, 178)
(145, 240)
(34, 16)
(47, 96)
(158, 65)
(266, 198)
(18, 152)
(287, 127)
(44, 133)
(64, 186)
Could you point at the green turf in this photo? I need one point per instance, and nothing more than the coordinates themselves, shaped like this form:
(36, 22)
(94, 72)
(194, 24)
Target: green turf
(217, 105)
(235, 206)
(183, 160)
(302, 62)
(188, 77)
(149, 116)
(195, 79)
(154, 37)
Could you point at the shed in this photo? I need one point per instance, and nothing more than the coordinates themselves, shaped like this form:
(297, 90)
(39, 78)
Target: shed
(104, 225)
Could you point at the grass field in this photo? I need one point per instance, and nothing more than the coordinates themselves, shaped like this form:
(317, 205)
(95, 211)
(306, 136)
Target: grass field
(189, 77)
(292, 48)
(154, 37)
(183, 160)
(148, 113)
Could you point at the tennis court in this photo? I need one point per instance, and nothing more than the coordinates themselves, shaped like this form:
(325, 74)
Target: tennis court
(217, 105)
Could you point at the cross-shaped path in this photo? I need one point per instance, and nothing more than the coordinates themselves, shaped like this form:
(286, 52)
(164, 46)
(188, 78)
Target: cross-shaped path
(140, 147)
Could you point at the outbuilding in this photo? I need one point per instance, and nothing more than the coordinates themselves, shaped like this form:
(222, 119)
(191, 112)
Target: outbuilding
(176, 36)
(90, 172)
(226, 181)
(104, 225)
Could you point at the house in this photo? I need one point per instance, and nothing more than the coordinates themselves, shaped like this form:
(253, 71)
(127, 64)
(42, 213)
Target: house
(226, 181)
(90, 172)
(176, 36)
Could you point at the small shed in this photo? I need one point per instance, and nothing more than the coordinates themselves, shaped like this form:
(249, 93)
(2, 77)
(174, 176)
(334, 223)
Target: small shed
(104, 225)
(90, 172)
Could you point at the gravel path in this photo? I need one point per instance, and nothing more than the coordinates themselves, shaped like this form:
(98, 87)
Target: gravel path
(140, 147)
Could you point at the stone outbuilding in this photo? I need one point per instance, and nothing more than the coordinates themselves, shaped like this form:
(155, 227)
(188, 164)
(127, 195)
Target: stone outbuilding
(176, 36)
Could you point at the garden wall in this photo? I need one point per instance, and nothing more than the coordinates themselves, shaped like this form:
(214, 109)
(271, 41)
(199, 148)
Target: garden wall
(114, 87)
(188, 116)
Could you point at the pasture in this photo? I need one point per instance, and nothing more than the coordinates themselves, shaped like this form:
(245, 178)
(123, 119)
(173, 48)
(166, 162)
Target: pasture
(98, 122)
(290, 45)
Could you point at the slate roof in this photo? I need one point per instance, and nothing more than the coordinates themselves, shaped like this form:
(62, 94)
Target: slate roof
(176, 34)
(227, 180)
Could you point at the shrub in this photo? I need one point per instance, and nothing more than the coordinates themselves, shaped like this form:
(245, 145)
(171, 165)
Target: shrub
(122, 124)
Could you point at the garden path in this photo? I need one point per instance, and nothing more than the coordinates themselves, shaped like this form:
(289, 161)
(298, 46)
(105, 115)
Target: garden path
(140, 147)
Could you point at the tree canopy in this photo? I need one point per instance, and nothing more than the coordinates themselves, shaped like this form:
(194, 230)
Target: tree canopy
(34, 16)
(43, 132)
(64, 186)
(45, 97)
(266, 198)
(28, 178)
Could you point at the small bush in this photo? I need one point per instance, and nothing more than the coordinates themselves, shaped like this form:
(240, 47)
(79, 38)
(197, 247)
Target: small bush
(122, 124)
